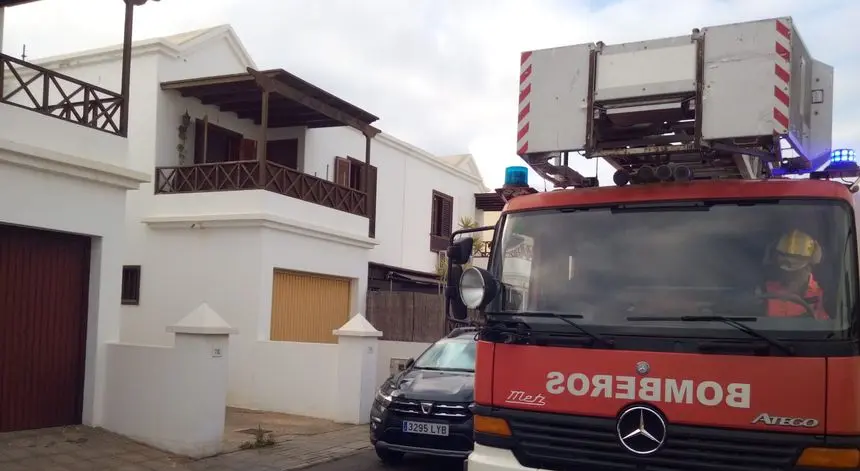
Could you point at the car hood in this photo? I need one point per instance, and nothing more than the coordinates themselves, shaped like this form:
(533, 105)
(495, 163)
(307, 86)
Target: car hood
(443, 386)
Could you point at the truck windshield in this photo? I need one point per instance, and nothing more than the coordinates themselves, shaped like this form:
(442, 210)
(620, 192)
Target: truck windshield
(789, 264)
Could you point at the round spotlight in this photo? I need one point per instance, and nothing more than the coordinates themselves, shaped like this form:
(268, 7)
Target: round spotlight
(645, 174)
(621, 177)
(663, 173)
(682, 173)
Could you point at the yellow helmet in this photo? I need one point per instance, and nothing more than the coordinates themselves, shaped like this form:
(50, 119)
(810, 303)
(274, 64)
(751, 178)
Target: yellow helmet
(797, 243)
(796, 249)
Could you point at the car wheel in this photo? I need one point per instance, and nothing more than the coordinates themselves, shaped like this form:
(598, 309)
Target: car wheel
(389, 457)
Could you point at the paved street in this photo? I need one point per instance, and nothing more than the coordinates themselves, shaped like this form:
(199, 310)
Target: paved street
(367, 461)
(86, 449)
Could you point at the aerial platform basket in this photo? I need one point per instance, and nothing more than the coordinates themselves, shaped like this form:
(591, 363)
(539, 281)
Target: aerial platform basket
(721, 102)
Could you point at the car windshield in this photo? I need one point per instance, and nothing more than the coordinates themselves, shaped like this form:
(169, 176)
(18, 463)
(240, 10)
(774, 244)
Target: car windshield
(619, 265)
(449, 354)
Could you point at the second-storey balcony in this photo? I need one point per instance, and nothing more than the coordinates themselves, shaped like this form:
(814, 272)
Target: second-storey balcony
(35, 88)
(249, 132)
(256, 175)
(43, 110)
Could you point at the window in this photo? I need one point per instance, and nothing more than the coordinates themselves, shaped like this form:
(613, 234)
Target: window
(214, 144)
(612, 265)
(441, 221)
(131, 285)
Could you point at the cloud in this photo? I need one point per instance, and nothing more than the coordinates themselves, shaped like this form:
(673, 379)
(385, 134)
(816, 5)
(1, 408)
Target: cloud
(442, 74)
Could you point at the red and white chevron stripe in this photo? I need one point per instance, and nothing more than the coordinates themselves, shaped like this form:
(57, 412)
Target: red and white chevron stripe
(782, 73)
(525, 103)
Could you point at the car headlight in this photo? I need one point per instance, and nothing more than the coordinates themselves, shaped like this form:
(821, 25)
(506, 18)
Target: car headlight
(384, 399)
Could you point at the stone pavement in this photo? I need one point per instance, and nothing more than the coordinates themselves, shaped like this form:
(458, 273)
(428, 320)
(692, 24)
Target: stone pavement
(86, 449)
(367, 461)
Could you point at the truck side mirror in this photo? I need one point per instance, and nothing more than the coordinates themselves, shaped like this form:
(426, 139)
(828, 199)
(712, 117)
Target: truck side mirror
(452, 293)
(461, 251)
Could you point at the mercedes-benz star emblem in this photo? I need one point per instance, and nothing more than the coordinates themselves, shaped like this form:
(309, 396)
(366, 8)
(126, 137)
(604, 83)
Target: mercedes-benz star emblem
(643, 368)
(426, 407)
(641, 430)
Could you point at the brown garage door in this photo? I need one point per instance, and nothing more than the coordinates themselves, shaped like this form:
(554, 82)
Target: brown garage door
(44, 281)
(306, 307)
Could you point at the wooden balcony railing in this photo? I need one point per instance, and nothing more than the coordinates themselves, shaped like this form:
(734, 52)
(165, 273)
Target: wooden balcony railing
(245, 175)
(483, 248)
(54, 94)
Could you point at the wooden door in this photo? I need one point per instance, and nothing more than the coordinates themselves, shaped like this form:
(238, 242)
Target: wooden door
(43, 327)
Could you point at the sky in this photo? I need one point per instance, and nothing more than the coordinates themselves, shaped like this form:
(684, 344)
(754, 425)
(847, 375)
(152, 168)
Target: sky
(442, 74)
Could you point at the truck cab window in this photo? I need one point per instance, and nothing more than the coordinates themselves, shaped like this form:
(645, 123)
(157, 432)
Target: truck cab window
(609, 264)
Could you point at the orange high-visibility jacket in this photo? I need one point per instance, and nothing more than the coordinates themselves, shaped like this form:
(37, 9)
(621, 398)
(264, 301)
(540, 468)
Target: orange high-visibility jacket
(780, 308)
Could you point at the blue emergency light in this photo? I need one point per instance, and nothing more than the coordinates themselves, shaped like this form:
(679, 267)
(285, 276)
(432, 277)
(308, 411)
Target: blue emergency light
(842, 156)
(841, 164)
(517, 176)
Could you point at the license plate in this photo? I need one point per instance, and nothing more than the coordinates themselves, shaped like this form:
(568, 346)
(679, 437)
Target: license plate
(424, 428)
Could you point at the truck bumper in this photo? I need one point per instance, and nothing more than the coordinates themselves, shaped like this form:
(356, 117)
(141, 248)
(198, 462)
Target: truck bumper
(485, 458)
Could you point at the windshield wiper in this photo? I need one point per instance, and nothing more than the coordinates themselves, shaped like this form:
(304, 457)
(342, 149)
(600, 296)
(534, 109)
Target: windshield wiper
(566, 319)
(736, 322)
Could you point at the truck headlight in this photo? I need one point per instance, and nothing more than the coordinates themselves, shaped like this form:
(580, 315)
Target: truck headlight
(477, 287)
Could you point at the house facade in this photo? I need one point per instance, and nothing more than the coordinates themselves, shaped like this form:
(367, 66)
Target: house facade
(274, 202)
(64, 172)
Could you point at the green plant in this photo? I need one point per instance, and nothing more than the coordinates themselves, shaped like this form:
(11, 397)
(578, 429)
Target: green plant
(184, 124)
(262, 439)
(467, 222)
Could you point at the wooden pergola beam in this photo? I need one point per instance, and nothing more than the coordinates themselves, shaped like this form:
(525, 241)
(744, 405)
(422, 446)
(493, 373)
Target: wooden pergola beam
(271, 85)
(126, 64)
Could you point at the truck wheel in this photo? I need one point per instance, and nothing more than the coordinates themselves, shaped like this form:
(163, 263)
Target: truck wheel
(389, 457)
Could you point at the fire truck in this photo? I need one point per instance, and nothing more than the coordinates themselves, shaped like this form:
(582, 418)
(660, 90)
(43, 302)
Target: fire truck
(699, 312)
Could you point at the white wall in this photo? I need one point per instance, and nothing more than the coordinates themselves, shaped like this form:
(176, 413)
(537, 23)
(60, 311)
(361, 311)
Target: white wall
(231, 269)
(406, 179)
(31, 128)
(170, 398)
(58, 202)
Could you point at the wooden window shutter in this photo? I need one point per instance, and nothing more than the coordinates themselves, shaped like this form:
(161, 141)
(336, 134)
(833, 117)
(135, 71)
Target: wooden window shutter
(371, 199)
(341, 171)
(447, 216)
(199, 140)
(248, 151)
(434, 210)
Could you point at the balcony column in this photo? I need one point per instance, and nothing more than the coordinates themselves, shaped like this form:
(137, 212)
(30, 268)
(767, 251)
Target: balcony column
(365, 183)
(2, 12)
(365, 174)
(126, 67)
(264, 139)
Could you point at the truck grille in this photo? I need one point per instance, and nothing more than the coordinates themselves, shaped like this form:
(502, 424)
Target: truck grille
(448, 411)
(553, 442)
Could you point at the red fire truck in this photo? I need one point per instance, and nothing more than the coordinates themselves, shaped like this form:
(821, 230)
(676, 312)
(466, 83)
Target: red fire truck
(702, 312)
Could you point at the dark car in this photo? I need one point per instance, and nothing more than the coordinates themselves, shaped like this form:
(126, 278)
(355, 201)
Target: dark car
(424, 409)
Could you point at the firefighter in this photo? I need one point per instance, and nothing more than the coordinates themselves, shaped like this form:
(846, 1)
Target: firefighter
(792, 258)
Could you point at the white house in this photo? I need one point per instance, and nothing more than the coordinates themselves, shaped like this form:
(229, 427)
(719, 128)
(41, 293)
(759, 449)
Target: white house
(277, 238)
(65, 169)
